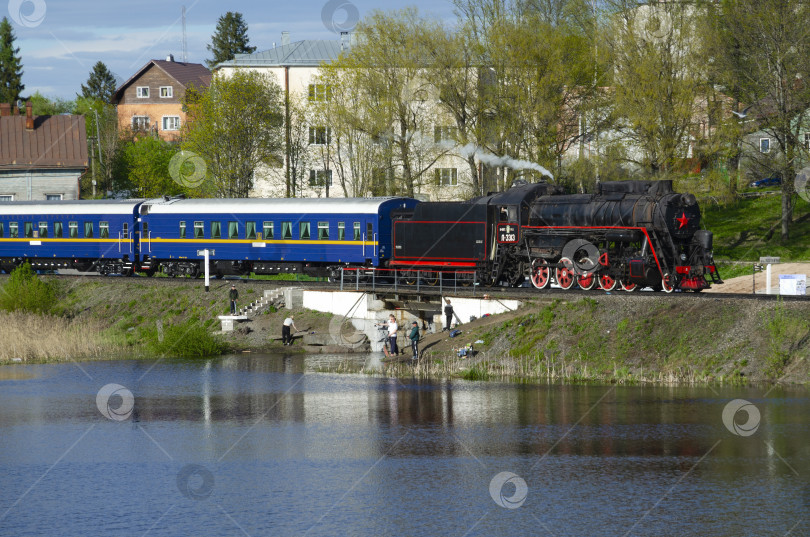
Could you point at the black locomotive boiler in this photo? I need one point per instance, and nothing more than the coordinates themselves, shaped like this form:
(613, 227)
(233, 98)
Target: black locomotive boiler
(629, 234)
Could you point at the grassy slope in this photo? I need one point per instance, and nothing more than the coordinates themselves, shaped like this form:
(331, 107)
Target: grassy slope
(750, 228)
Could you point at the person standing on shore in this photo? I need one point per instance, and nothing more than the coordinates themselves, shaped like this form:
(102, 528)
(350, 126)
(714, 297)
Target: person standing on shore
(414, 336)
(392, 335)
(448, 313)
(233, 295)
(286, 335)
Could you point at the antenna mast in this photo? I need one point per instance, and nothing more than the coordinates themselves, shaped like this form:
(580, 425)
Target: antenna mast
(185, 44)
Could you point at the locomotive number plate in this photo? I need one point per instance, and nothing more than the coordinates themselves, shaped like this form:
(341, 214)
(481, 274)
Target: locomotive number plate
(508, 233)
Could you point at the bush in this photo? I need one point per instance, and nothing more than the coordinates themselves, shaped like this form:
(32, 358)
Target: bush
(188, 339)
(24, 291)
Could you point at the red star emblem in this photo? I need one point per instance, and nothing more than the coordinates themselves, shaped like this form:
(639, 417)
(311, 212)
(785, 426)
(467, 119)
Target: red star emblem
(682, 220)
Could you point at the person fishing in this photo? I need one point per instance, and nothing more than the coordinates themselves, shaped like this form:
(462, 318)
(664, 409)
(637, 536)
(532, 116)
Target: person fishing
(414, 337)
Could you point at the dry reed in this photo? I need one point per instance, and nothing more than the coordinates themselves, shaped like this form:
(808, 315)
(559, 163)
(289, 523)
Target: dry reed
(30, 337)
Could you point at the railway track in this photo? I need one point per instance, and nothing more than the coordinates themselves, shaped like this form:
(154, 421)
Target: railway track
(520, 293)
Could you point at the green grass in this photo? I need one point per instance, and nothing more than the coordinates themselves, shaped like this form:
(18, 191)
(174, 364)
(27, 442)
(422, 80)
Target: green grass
(749, 228)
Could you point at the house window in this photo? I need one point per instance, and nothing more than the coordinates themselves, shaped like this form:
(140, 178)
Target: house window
(140, 123)
(13, 230)
(29, 230)
(341, 231)
(233, 230)
(446, 176)
(286, 230)
(6, 197)
(303, 231)
(250, 231)
(53, 197)
(171, 123)
(182, 229)
(444, 134)
(43, 230)
(320, 177)
(88, 230)
(320, 135)
(320, 92)
(57, 230)
(199, 230)
(166, 92)
(323, 231)
(216, 230)
(142, 92)
(357, 231)
(268, 230)
(73, 230)
(764, 145)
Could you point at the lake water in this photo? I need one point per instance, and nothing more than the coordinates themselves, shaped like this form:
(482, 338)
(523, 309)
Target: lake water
(265, 445)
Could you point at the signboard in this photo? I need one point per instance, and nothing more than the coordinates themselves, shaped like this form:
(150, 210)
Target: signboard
(508, 233)
(793, 284)
(201, 253)
(769, 260)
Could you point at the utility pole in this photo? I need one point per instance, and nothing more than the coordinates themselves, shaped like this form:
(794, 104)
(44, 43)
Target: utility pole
(92, 141)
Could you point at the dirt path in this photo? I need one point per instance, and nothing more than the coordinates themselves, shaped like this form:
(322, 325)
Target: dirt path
(743, 284)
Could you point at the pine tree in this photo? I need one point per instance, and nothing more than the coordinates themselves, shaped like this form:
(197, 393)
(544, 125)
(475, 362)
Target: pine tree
(10, 65)
(100, 85)
(230, 39)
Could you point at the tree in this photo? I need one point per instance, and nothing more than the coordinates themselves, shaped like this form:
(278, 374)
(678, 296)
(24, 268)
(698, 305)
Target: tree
(45, 106)
(10, 65)
(146, 162)
(229, 39)
(236, 126)
(101, 121)
(762, 51)
(100, 85)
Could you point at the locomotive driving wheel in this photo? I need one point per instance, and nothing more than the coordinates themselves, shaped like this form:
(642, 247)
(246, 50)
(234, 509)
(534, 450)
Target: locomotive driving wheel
(586, 281)
(666, 286)
(431, 278)
(564, 273)
(607, 282)
(541, 273)
(629, 287)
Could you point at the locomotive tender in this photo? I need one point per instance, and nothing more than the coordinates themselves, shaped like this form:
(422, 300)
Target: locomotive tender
(630, 234)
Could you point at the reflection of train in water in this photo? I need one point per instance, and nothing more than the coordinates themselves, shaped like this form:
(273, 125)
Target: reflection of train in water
(629, 234)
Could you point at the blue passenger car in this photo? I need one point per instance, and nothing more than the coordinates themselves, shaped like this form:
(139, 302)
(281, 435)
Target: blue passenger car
(84, 235)
(267, 236)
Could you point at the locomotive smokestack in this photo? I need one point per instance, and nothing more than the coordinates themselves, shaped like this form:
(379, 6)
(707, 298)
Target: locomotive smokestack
(688, 199)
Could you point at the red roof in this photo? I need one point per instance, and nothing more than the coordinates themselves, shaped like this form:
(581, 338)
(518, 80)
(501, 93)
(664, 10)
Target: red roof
(55, 142)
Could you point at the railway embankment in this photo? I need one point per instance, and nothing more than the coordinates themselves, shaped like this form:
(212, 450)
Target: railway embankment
(615, 337)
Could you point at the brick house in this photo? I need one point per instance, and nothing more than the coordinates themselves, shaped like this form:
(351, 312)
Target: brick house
(41, 157)
(151, 100)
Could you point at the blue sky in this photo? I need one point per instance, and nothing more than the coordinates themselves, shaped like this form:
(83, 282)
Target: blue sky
(61, 40)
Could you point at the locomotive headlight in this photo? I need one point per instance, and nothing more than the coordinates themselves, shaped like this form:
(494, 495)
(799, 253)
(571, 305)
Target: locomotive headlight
(683, 257)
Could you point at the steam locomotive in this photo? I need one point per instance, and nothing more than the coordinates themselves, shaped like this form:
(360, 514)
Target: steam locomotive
(629, 234)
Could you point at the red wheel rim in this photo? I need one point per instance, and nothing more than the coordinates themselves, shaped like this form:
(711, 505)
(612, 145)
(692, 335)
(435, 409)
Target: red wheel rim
(629, 287)
(607, 282)
(540, 274)
(665, 285)
(564, 274)
(586, 281)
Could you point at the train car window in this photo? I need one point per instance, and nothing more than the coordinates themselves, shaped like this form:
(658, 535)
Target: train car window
(233, 230)
(182, 229)
(250, 231)
(268, 230)
(199, 230)
(145, 229)
(286, 230)
(216, 230)
(369, 232)
(323, 231)
(57, 230)
(43, 230)
(13, 230)
(104, 230)
(341, 231)
(1, 230)
(503, 216)
(73, 230)
(88, 230)
(125, 231)
(303, 231)
(29, 230)
(357, 231)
